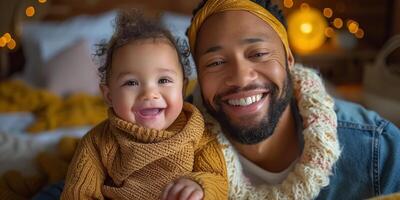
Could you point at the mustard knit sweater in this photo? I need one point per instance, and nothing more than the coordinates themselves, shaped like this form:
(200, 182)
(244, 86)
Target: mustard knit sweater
(121, 160)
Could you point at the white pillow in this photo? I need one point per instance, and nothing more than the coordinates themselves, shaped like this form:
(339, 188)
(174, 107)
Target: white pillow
(42, 40)
(72, 71)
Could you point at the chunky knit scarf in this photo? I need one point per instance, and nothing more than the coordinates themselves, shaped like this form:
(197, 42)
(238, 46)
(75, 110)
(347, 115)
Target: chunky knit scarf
(321, 147)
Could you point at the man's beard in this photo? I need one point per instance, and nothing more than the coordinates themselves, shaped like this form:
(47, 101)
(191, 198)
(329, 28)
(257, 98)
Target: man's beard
(253, 134)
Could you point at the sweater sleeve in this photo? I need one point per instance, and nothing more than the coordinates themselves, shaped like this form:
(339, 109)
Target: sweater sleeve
(85, 174)
(209, 170)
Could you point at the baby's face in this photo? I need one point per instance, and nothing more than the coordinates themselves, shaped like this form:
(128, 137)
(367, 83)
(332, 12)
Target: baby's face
(145, 84)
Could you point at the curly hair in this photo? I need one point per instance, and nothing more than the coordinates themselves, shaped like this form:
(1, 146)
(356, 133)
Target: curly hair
(131, 25)
(267, 4)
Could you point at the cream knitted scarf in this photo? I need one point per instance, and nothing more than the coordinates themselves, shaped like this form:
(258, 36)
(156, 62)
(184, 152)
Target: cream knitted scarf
(321, 147)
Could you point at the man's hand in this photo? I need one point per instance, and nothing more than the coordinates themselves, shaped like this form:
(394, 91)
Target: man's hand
(183, 189)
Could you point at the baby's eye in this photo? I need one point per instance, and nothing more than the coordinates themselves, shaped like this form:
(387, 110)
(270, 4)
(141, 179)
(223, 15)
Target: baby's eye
(131, 83)
(164, 81)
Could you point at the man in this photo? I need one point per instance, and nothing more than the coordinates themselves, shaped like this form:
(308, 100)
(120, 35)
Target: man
(285, 137)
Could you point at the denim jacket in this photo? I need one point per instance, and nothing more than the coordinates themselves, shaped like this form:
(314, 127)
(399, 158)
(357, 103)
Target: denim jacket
(370, 161)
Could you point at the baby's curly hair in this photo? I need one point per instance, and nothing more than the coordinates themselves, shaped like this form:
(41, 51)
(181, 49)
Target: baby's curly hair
(131, 25)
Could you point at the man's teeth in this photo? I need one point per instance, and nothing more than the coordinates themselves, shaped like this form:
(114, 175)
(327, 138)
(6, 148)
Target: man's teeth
(245, 101)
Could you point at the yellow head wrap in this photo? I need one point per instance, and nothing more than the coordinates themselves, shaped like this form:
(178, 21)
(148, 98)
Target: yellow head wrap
(216, 6)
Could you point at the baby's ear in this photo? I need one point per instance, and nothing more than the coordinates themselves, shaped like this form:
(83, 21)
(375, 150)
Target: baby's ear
(105, 90)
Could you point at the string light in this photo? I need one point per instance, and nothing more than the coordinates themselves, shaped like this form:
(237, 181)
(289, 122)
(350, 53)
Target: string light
(329, 32)
(304, 6)
(360, 33)
(288, 3)
(3, 42)
(353, 27)
(328, 12)
(12, 44)
(338, 23)
(7, 37)
(30, 11)
(306, 28)
(42, 1)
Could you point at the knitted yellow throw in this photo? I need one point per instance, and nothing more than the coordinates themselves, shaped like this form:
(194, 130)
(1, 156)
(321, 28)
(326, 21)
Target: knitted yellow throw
(121, 160)
(51, 111)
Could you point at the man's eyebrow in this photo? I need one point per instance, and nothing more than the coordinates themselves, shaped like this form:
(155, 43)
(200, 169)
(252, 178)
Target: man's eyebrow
(213, 49)
(252, 40)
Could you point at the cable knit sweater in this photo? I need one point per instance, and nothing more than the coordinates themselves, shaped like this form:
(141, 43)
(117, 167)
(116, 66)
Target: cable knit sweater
(121, 160)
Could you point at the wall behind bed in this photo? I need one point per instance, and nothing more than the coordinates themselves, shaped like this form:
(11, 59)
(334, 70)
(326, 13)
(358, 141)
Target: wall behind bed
(13, 12)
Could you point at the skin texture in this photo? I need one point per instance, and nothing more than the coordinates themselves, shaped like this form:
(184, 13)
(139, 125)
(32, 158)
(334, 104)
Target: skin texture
(183, 189)
(149, 91)
(238, 56)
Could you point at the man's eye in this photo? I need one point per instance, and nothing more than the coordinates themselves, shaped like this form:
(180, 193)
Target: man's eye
(214, 64)
(164, 81)
(257, 55)
(131, 83)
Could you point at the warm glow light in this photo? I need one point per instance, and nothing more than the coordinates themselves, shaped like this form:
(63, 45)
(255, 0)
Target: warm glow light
(304, 6)
(7, 37)
(30, 11)
(360, 33)
(12, 44)
(328, 12)
(329, 32)
(349, 22)
(42, 1)
(306, 29)
(338, 23)
(288, 3)
(353, 27)
(3, 42)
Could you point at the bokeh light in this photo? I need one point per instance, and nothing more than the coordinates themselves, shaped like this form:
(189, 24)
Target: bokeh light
(2, 42)
(338, 23)
(288, 3)
(30, 11)
(360, 33)
(12, 44)
(306, 29)
(328, 12)
(329, 32)
(353, 27)
(304, 6)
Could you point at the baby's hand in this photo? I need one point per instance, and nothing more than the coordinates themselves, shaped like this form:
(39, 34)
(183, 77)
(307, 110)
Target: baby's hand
(183, 189)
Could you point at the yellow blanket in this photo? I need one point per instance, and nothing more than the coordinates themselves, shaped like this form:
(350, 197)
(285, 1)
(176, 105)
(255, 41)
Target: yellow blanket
(50, 110)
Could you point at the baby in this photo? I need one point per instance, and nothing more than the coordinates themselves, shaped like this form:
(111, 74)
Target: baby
(153, 145)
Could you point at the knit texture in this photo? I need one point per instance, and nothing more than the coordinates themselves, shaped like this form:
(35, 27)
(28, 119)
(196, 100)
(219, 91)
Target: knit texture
(122, 160)
(321, 146)
(50, 110)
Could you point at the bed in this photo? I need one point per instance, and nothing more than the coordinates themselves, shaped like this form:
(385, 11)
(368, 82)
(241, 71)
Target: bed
(53, 99)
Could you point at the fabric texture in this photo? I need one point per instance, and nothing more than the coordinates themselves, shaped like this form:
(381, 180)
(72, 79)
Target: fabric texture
(121, 160)
(321, 147)
(72, 71)
(50, 110)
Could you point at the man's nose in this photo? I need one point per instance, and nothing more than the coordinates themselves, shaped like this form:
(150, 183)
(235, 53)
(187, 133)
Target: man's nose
(241, 73)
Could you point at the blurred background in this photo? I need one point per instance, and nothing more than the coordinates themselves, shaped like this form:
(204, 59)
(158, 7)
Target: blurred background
(347, 41)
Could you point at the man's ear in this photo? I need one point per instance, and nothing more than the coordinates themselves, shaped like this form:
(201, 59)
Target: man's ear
(290, 60)
(105, 90)
(184, 88)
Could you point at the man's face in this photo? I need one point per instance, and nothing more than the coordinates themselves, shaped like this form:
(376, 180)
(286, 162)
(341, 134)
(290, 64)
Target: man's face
(243, 74)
